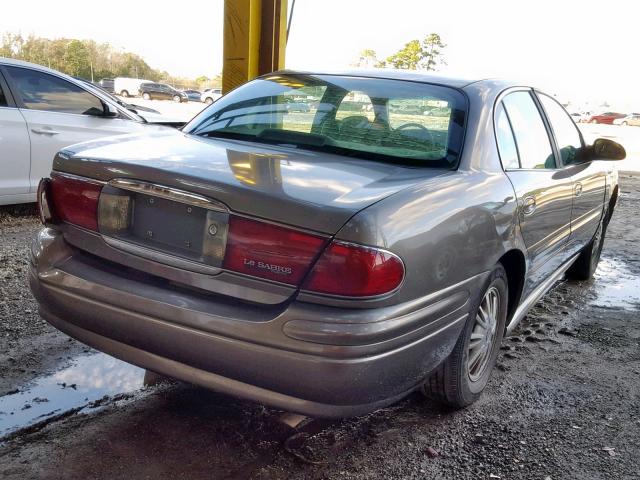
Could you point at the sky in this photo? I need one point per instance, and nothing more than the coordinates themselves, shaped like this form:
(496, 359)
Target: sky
(579, 50)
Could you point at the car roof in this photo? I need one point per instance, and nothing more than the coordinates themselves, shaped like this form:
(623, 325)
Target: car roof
(35, 66)
(410, 75)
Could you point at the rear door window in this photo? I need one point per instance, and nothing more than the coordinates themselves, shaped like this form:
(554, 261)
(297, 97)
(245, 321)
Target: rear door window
(41, 91)
(3, 98)
(564, 129)
(532, 140)
(506, 143)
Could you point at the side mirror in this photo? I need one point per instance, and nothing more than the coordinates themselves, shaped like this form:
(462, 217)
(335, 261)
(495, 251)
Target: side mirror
(605, 149)
(110, 111)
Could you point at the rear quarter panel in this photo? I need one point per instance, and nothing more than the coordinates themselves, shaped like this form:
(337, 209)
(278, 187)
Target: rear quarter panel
(446, 229)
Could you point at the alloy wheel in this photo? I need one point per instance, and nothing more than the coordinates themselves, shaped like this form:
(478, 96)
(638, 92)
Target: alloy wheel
(483, 335)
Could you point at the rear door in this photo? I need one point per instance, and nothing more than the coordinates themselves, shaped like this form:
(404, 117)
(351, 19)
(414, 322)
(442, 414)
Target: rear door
(544, 191)
(589, 178)
(167, 93)
(59, 113)
(14, 148)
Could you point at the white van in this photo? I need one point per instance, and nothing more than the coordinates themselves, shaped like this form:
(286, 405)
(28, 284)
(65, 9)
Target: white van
(128, 87)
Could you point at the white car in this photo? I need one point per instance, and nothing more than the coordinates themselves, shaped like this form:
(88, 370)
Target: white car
(210, 95)
(631, 119)
(43, 111)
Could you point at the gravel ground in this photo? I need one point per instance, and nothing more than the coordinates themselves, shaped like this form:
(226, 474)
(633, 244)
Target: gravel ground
(562, 404)
(28, 345)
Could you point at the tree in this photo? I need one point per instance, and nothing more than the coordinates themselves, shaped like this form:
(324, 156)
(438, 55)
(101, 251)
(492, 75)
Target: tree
(85, 58)
(432, 51)
(426, 54)
(408, 58)
(367, 59)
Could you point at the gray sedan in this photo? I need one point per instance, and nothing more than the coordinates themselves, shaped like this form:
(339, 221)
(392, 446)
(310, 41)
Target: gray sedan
(330, 261)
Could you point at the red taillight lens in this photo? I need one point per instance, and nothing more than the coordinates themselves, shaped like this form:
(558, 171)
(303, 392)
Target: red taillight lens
(355, 271)
(270, 251)
(75, 201)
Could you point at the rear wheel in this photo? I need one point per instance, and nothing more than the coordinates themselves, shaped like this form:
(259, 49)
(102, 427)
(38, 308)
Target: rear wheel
(461, 378)
(625, 123)
(146, 96)
(124, 93)
(586, 264)
(594, 121)
(208, 100)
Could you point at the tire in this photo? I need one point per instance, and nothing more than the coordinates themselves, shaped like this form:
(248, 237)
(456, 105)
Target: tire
(625, 124)
(594, 121)
(587, 262)
(146, 96)
(455, 382)
(176, 98)
(124, 93)
(208, 100)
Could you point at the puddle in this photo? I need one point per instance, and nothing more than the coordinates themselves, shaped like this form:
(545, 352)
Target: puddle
(87, 379)
(615, 286)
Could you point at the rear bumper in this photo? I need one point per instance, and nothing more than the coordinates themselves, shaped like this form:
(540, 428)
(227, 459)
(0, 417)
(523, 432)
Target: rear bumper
(316, 360)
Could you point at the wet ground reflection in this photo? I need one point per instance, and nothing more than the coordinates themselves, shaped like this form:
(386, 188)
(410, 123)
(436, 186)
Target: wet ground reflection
(615, 286)
(87, 379)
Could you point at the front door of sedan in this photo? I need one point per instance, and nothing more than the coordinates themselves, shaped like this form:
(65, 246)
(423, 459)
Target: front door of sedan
(58, 114)
(589, 178)
(544, 192)
(14, 149)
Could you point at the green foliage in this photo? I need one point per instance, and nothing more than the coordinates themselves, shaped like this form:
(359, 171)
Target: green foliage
(426, 54)
(368, 58)
(88, 59)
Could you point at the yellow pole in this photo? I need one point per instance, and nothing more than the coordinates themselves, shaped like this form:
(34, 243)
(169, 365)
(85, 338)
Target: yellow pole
(254, 36)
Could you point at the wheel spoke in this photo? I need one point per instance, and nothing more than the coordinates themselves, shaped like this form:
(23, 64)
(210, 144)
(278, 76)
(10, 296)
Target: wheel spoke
(481, 318)
(477, 335)
(473, 359)
(489, 303)
(476, 343)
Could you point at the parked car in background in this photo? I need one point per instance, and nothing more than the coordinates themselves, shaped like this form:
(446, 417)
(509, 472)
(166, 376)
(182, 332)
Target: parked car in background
(606, 117)
(161, 91)
(107, 84)
(193, 95)
(576, 117)
(631, 119)
(42, 111)
(210, 95)
(293, 105)
(150, 115)
(127, 87)
(328, 264)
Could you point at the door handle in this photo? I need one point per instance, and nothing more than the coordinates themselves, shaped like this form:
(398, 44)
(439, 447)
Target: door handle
(529, 205)
(578, 189)
(44, 131)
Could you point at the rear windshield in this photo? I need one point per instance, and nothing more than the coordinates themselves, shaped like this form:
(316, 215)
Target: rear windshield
(389, 120)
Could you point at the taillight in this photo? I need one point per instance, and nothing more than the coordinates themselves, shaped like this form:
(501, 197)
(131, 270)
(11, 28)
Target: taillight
(269, 251)
(351, 270)
(75, 200)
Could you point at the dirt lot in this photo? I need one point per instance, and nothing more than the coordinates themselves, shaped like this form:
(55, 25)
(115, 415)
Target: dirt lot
(563, 402)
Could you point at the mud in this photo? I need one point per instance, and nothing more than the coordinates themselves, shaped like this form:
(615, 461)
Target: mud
(562, 404)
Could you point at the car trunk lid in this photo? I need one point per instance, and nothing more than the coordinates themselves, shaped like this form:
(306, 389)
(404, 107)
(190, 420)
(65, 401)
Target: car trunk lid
(211, 206)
